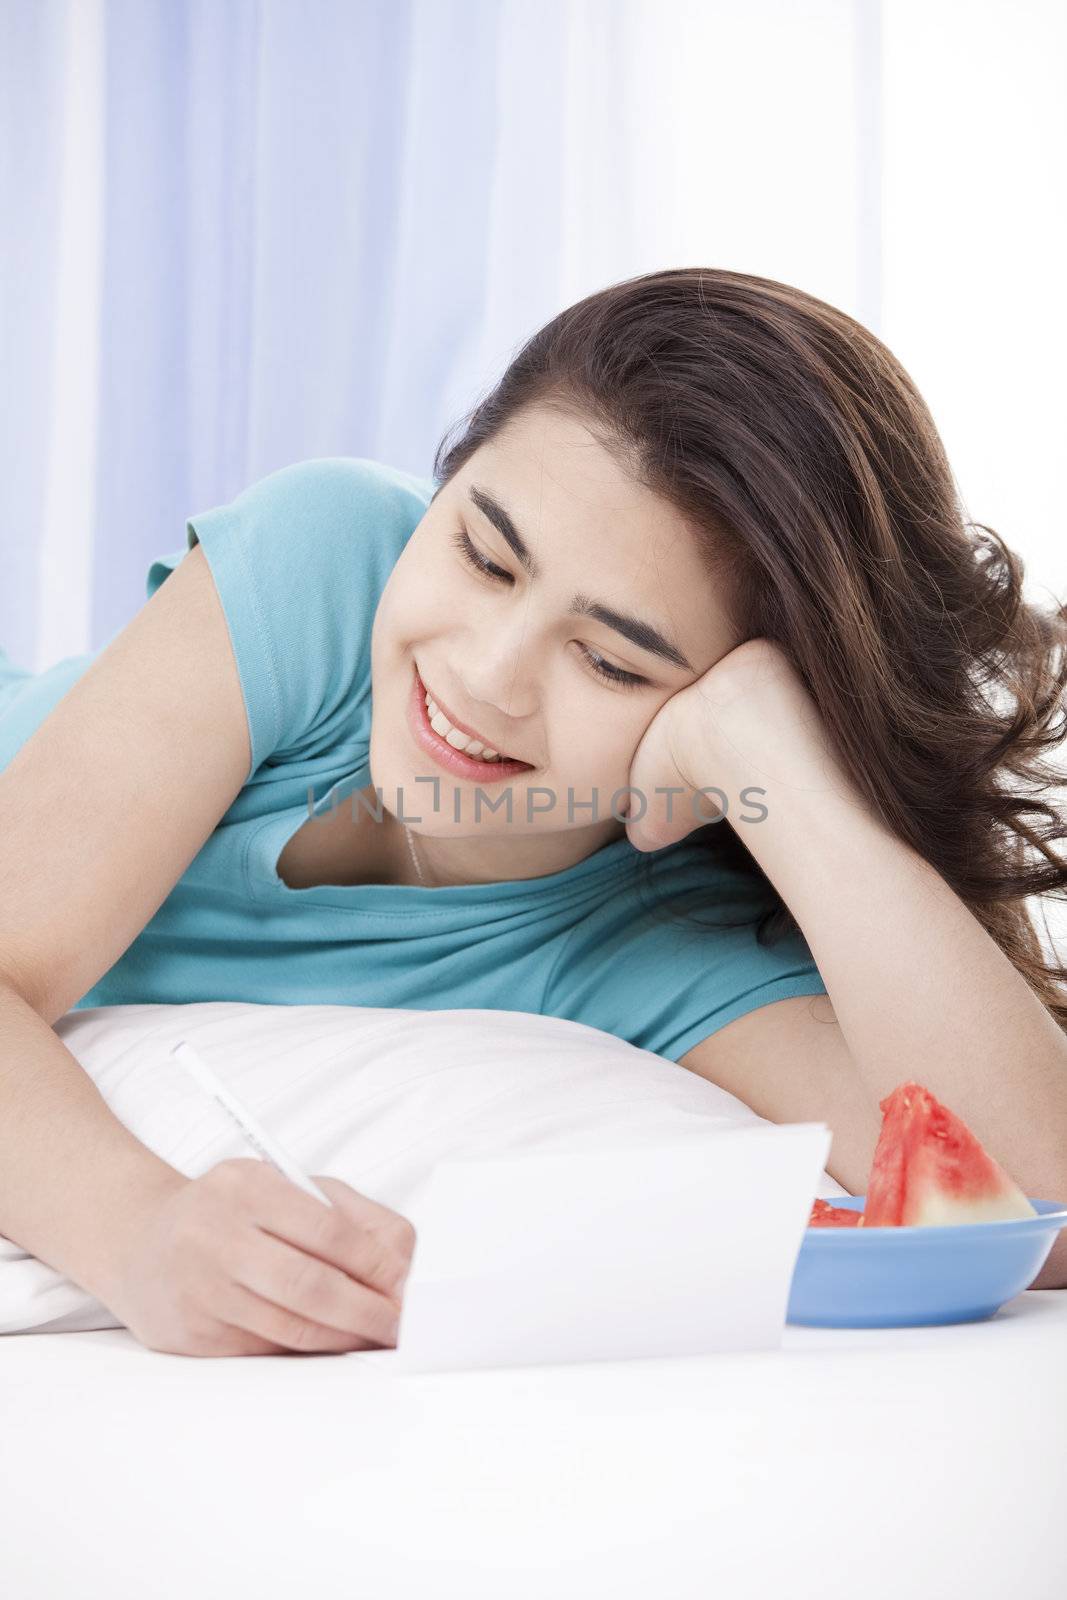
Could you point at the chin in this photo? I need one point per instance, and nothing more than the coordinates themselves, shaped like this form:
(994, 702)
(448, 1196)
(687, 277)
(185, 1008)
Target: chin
(389, 774)
(384, 771)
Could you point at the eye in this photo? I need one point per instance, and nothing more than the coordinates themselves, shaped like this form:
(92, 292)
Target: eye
(489, 569)
(475, 559)
(604, 669)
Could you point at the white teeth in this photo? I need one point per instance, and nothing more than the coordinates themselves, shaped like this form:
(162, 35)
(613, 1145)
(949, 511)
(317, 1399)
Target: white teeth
(459, 741)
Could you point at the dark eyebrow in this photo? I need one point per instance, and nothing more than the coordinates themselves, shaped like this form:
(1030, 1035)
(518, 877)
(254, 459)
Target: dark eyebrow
(643, 634)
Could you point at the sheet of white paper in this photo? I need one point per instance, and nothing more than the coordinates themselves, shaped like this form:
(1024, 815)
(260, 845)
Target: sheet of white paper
(604, 1255)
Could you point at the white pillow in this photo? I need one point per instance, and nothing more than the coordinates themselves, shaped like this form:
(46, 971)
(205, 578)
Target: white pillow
(374, 1096)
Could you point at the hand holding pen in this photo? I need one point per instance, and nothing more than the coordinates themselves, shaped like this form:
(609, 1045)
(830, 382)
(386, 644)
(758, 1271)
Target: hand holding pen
(253, 1257)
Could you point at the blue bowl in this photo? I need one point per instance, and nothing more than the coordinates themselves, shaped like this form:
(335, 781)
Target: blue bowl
(915, 1277)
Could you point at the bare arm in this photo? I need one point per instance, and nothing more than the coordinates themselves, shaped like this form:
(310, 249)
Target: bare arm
(68, 1164)
(789, 1062)
(919, 987)
(101, 811)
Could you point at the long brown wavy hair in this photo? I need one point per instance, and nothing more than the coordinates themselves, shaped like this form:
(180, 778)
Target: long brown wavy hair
(810, 468)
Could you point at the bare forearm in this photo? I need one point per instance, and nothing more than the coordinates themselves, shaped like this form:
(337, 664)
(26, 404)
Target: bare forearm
(68, 1166)
(919, 988)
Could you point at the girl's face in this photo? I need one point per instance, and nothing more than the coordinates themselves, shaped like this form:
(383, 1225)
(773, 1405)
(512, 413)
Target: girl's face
(550, 605)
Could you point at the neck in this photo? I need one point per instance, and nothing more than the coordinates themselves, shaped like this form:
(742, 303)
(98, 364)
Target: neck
(477, 858)
(413, 851)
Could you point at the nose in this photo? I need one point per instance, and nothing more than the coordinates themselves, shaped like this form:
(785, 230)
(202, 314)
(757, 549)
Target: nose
(499, 679)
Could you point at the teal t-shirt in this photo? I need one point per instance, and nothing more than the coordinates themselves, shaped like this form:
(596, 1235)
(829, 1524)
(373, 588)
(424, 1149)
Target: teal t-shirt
(299, 561)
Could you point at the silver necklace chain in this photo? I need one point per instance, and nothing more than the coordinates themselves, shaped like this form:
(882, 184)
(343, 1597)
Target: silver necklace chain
(414, 857)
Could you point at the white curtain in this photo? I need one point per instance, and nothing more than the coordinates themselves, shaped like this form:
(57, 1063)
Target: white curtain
(238, 233)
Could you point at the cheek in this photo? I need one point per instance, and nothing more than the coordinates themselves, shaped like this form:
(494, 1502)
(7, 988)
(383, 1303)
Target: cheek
(411, 608)
(596, 740)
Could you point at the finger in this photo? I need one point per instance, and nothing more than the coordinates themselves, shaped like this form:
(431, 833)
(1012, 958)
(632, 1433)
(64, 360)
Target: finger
(277, 1330)
(362, 1238)
(655, 818)
(662, 820)
(314, 1291)
(229, 1339)
(396, 1232)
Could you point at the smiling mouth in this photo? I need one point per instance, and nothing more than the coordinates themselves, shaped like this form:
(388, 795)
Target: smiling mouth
(500, 757)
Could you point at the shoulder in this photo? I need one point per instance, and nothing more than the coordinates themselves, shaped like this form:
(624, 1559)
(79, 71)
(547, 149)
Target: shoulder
(790, 1062)
(338, 487)
(299, 560)
(305, 552)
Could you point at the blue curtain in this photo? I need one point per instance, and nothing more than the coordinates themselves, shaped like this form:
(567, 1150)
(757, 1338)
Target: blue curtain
(272, 224)
(239, 233)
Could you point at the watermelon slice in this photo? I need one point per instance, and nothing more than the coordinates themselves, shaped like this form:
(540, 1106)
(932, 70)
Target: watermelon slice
(824, 1215)
(929, 1170)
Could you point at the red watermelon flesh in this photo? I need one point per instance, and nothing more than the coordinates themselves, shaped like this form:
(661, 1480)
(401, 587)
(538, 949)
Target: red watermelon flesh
(824, 1215)
(929, 1170)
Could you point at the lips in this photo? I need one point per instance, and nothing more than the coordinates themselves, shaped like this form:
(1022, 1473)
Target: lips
(471, 733)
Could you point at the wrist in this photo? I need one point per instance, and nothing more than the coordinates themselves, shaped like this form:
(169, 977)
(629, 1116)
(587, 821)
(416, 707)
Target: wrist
(768, 736)
(763, 744)
(137, 1181)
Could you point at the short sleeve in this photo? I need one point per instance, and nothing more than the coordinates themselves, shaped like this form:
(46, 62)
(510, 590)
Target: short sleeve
(666, 977)
(299, 561)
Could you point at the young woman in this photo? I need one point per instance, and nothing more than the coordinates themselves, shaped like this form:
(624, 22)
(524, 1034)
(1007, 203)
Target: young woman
(682, 702)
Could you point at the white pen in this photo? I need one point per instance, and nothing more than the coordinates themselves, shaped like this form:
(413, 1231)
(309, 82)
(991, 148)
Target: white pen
(253, 1131)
